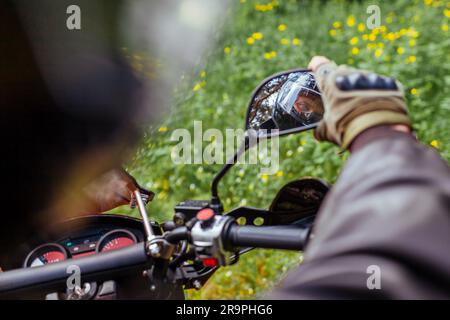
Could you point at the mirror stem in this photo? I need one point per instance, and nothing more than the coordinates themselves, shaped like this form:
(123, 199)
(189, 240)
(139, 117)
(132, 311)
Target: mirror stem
(216, 204)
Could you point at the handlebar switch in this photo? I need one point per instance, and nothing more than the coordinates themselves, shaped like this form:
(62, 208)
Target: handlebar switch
(207, 238)
(206, 217)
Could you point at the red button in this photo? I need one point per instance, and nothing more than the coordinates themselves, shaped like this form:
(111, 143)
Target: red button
(210, 262)
(205, 214)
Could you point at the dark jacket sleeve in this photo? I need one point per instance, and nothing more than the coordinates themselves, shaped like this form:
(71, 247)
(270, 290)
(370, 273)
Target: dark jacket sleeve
(387, 217)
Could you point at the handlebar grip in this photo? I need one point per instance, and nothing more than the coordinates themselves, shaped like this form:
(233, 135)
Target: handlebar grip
(99, 266)
(273, 237)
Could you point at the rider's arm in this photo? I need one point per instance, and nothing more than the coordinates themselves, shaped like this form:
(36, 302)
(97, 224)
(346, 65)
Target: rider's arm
(384, 229)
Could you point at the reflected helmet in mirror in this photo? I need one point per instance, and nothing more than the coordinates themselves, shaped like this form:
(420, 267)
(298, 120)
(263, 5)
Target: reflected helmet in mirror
(298, 102)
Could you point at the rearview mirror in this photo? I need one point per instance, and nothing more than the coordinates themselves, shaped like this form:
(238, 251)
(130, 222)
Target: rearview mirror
(289, 101)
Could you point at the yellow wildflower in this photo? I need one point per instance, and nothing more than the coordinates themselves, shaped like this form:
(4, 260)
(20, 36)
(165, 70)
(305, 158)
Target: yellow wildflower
(365, 37)
(414, 91)
(337, 24)
(361, 27)
(400, 50)
(281, 27)
(391, 36)
(264, 7)
(270, 55)
(264, 178)
(257, 35)
(447, 13)
(333, 32)
(428, 2)
(355, 51)
(280, 173)
(435, 144)
(250, 40)
(412, 58)
(372, 37)
(296, 41)
(412, 33)
(284, 41)
(227, 50)
(162, 129)
(444, 27)
(197, 87)
(203, 74)
(354, 40)
(412, 42)
(351, 21)
(378, 52)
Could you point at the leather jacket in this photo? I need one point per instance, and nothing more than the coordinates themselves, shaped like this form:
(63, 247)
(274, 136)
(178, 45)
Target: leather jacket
(387, 217)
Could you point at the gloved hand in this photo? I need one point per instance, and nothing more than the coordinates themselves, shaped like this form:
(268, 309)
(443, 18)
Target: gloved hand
(355, 100)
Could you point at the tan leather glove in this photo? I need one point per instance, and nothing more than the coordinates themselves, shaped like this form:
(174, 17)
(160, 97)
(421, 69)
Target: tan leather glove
(356, 100)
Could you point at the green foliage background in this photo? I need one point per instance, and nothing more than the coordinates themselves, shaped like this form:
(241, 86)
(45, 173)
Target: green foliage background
(412, 45)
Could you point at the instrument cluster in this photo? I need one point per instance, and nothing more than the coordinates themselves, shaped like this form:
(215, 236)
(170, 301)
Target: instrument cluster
(99, 234)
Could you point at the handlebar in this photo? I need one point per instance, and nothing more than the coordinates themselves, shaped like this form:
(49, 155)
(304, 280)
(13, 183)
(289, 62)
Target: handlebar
(108, 265)
(102, 266)
(273, 237)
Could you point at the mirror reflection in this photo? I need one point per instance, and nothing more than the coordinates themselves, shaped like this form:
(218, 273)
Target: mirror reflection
(286, 101)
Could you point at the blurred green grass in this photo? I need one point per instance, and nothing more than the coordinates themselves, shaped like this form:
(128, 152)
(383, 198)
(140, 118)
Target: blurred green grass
(264, 37)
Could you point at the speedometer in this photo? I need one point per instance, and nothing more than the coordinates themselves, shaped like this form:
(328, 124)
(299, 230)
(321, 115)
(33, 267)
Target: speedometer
(116, 239)
(46, 254)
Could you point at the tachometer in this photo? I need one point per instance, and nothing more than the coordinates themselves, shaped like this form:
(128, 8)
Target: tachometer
(116, 239)
(45, 254)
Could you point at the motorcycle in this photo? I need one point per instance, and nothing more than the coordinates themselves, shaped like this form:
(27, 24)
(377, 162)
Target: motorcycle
(119, 257)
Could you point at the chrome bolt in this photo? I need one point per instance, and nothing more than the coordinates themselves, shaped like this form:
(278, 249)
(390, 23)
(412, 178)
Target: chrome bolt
(197, 284)
(154, 249)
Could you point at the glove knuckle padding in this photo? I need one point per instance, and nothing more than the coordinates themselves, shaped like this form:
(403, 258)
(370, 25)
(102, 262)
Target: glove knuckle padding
(356, 100)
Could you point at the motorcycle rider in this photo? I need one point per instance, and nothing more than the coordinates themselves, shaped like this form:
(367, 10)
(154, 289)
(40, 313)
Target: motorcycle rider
(383, 230)
(298, 102)
(389, 209)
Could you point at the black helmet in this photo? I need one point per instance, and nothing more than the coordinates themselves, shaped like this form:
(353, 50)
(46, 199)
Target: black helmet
(285, 115)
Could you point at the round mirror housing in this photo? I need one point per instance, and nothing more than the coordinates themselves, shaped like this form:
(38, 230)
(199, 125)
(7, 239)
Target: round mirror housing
(289, 101)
